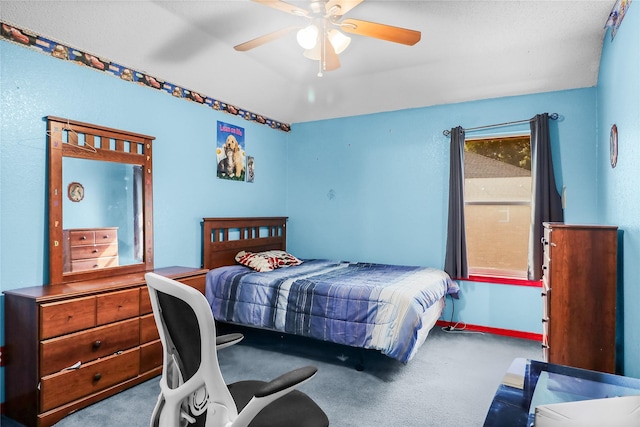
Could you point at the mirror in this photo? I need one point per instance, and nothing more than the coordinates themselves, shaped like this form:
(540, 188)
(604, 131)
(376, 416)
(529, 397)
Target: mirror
(100, 189)
(103, 196)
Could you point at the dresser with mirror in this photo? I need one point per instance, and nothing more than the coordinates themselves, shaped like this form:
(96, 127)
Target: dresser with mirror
(90, 332)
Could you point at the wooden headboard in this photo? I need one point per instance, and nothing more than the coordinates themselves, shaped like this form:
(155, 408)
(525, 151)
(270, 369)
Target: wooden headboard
(223, 238)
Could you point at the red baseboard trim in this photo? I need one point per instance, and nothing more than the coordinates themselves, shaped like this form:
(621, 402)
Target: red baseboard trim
(496, 331)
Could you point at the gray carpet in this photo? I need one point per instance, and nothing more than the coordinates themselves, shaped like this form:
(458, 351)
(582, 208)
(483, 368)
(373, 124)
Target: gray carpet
(450, 382)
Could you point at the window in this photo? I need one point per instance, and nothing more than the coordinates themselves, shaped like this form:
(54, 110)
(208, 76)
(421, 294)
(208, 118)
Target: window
(497, 196)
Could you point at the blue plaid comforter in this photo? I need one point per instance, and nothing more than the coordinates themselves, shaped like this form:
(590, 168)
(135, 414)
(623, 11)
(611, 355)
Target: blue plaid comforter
(374, 306)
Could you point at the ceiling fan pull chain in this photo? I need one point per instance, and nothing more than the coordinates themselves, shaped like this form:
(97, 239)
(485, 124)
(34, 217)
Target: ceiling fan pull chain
(323, 50)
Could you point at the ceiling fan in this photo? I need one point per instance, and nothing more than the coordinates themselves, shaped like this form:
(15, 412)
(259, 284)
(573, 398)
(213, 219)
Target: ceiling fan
(322, 39)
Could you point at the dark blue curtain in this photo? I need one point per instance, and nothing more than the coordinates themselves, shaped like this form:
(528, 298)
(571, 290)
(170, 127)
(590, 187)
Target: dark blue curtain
(546, 203)
(455, 263)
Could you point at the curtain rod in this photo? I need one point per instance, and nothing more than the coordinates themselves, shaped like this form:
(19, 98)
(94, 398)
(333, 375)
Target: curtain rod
(552, 116)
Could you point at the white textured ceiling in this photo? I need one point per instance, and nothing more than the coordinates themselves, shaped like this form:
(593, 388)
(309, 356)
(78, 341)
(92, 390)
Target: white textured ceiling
(469, 50)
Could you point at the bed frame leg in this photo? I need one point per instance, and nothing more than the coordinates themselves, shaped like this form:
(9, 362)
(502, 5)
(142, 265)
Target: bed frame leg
(360, 363)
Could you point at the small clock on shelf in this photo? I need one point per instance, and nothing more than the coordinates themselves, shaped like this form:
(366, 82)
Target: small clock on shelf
(75, 192)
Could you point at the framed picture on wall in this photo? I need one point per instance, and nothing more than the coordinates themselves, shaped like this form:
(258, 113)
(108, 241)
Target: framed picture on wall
(613, 145)
(250, 168)
(230, 154)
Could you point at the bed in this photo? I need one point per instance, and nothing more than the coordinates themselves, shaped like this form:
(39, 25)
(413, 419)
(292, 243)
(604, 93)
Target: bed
(389, 308)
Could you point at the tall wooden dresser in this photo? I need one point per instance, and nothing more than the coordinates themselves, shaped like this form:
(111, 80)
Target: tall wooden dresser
(579, 295)
(70, 345)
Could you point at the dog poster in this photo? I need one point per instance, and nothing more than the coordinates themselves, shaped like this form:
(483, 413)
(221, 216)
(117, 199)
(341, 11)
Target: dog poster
(230, 154)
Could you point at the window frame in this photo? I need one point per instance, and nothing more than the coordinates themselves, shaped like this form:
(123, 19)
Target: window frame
(496, 275)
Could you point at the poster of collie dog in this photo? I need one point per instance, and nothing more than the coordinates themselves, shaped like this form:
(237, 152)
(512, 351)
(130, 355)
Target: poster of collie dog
(230, 153)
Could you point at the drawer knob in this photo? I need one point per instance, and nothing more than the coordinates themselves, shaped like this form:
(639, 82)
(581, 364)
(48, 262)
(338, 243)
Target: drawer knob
(97, 344)
(106, 236)
(95, 251)
(83, 238)
(97, 377)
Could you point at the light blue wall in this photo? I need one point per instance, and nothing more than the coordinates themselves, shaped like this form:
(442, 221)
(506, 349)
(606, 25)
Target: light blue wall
(507, 307)
(618, 188)
(185, 184)
(375, 188)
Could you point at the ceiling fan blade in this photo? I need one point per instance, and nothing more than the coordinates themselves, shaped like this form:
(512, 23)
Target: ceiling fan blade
(259, 41)
(344, 6)
(284, 7)
(380, 31)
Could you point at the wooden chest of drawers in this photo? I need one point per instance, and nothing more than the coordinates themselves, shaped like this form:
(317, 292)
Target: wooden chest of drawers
(89, 248)
(70, 345)
(579, 296)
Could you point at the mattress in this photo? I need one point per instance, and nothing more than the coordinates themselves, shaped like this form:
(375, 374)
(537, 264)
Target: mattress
(384, 307)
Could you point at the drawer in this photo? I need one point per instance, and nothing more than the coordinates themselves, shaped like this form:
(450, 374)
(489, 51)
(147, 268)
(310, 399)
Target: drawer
(145, 301)
(94, 251)
(148, 329)
(91, 263)
(64, 317)
(115, 306)
(62, 352)
(545, 333)
(546, 281)
(198, 282)
(67, 386)
(150, 356)
(82, 237)
(93, 236)
(107, 235)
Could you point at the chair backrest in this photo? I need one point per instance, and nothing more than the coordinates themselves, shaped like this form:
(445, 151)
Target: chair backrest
(187, 331)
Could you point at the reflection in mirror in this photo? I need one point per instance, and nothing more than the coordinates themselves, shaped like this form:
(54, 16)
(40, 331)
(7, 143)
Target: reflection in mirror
(103, 228)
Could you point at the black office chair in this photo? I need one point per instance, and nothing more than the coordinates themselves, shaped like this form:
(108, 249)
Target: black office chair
(192, 389)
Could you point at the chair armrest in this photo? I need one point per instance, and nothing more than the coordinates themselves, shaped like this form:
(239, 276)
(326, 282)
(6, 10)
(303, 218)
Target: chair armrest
(224, 341)
(288, 380)
(272, 391)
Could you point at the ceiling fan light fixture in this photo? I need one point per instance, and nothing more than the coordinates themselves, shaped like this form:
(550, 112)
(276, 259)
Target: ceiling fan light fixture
(313, 53)
(338, 40)
(308, 37)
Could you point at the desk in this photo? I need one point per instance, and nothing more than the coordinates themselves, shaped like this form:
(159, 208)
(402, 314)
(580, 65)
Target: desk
(529, 383)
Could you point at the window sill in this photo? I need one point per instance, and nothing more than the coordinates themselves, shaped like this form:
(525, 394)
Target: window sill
(503, 281)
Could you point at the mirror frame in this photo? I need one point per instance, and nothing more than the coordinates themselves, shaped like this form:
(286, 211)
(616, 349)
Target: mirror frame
(114, 146)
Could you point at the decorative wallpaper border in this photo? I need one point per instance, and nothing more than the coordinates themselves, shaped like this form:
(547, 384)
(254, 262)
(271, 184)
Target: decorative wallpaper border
(47, 46)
